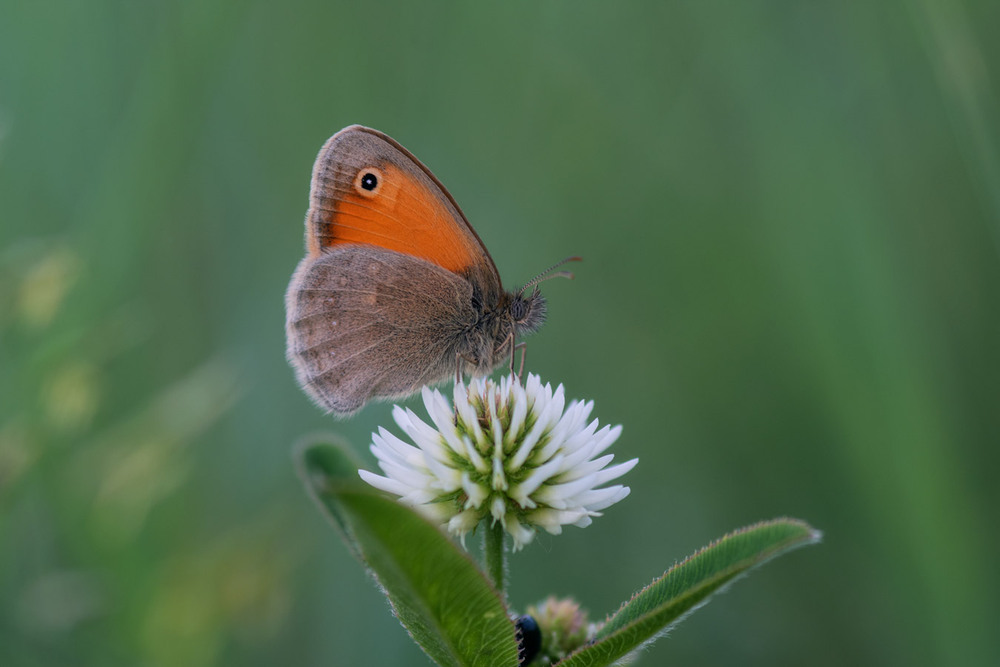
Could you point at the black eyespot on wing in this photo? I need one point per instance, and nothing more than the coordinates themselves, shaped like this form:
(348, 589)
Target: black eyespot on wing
(529, 639)
(368, 181)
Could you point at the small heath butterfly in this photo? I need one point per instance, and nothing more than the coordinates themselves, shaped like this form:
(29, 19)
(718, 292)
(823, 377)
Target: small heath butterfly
(396, 289)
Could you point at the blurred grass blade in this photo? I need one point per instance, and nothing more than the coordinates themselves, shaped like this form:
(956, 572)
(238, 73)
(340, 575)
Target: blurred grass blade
(688, 585)
(436, 590)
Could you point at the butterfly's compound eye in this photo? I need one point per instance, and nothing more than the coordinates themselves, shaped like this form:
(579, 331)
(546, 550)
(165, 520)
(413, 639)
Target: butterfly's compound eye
(518, 309)
(368, 181)
(529, 639)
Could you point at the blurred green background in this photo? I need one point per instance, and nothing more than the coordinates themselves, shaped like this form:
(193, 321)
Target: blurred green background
(790, 219)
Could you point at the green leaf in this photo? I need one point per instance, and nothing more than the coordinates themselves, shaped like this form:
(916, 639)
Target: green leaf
(688, 585)
(438, 593)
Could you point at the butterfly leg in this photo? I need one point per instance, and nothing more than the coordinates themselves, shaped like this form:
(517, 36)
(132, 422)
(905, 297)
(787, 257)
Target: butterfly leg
(524, 352)
(509, 340)
(459, 358)
(513, 351)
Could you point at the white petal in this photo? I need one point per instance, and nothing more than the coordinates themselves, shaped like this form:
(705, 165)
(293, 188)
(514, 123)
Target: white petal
(420, 497)
(575, 467)
(387, 447)
(538, 476)
(467, 414)
(536, 391)
(615, 471)
(471, 454)
(499, 477)
(498, 508)
(383, 483)
(463, 522)
(440, 412)
(422, 434)
(598, 499)
(522, 534)
(606, 437)
(582, 440)
(476, 493)
(506, 382)
(564, 495)
(549, 519)
(520, 410)
(453, 440)
(447, 477)
(583, 443)
(496, 429)
(408, 475)
(570, 423)
(549, 415)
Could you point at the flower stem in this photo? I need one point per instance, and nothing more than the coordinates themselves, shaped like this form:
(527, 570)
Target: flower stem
(493, 554)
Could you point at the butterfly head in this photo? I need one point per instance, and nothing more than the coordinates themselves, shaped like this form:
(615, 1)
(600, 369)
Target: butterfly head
(527, 312)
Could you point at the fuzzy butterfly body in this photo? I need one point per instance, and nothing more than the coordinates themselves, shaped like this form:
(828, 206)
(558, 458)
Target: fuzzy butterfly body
(396, 289)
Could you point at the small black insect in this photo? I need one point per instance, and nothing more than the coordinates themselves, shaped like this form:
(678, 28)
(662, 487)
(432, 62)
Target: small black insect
(529, 639)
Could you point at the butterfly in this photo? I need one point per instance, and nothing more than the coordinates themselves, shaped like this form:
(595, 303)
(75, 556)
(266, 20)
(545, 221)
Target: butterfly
(396, 290)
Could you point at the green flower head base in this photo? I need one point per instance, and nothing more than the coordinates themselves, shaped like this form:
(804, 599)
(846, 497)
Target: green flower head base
(516, 454)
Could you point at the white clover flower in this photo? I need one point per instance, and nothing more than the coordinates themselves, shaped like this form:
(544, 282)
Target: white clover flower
(516, 454)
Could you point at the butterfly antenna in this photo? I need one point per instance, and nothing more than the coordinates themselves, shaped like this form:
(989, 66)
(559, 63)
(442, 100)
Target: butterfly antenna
(547, 273)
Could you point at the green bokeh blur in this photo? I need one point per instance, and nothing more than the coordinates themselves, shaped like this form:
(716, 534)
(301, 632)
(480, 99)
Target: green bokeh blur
(790, 219)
